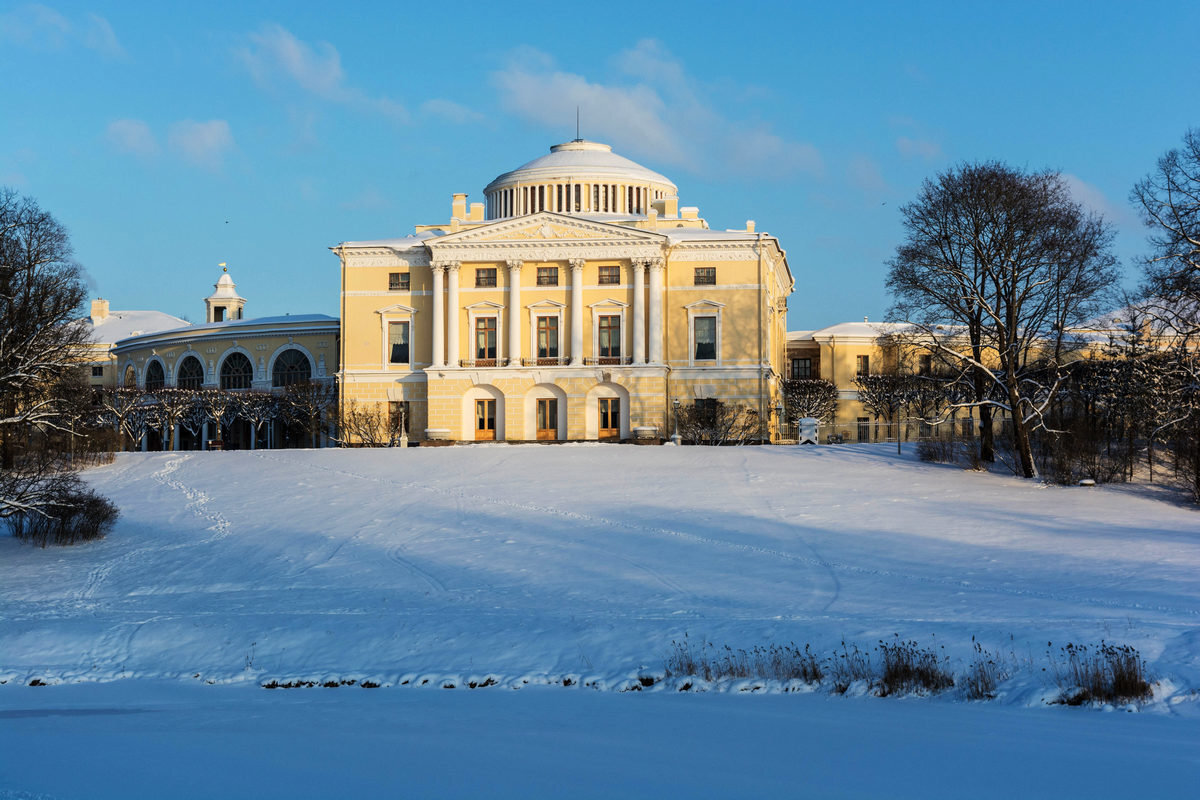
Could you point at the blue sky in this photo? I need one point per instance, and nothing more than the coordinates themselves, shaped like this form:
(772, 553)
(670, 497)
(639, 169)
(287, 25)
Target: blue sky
(169, 137)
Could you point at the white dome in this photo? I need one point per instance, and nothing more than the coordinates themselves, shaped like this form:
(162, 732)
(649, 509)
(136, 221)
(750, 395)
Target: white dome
(580, 159)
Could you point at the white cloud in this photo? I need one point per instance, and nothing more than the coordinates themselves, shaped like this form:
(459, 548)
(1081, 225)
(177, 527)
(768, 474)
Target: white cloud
(43, 28)
(450, 111)
(918, 148)
(275, 55)
(864, 173)
(201, 143)
(132, 136)
(1094, 199)
(659, 111)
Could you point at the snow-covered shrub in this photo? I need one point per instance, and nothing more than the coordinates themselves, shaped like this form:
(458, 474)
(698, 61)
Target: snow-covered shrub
(775, 662)
(77, 515)
(907, 667)
(984, 674)
(1105, 674)
(848, 667)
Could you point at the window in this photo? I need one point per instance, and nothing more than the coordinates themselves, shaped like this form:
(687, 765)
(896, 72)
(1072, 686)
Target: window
(97, 372)
(801, 368)
(219, 314)
(706, 411)
(236, 372)
(398, 343)
(864, 429)
(609, 418)
(398, 281)
(705, 338)
(485, 339)
(190, 374)
(610, 275)
(547, 337)
(925, 365)
(291, 367)
(155, 379)
(485, 276)
(864, 366)
(547, 418)
(547, 276)
(706, 276)
(610, 337)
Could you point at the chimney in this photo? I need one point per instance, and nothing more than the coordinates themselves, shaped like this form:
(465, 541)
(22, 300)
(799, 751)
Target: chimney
(671, 206)
(476, 212)
(99, 310)
(458, 207)
(689, 212)
(749, 226)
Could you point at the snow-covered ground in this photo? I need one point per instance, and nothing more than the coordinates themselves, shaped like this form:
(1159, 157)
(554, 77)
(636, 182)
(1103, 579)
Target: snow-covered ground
(535, 567)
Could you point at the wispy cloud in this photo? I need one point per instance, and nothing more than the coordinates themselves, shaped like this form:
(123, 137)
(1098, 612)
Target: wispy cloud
(201, 143)
(864, 173)
(449, 111)
(658, 111)
(1094, 198)
(43, 28)
(274, 56)
(132, 136)
(924, 149)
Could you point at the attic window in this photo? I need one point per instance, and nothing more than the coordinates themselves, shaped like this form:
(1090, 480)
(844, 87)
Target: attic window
(706, 276)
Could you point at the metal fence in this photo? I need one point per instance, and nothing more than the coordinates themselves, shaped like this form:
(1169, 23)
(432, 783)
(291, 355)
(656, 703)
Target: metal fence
(870, 430)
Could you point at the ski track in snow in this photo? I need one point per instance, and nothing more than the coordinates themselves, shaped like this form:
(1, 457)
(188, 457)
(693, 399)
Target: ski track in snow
(814, 560)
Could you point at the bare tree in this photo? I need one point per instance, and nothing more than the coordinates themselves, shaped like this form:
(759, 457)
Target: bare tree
(257, 408)
(304, 404)
(997, 267)
(42, 343)
(1169, 201)
(809, 397)
(712, 422)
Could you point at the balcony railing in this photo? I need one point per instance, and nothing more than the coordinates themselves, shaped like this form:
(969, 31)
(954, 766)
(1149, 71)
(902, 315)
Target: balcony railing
(556, 361)
(608, 361)
(483, 362)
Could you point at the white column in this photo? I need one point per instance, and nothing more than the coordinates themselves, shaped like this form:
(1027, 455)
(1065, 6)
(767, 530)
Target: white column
(576, 312)
(656, 310)
(639, 311)
(514, 313)
(452, 352)
(439, 314)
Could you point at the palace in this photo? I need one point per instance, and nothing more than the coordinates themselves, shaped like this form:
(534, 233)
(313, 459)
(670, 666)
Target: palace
(579, 301)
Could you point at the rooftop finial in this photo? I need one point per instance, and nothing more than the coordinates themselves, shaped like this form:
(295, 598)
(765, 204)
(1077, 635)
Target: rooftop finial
(577, 137)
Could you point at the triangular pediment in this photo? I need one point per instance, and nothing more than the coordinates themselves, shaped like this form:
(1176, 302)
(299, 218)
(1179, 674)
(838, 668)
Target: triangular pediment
(546, 227)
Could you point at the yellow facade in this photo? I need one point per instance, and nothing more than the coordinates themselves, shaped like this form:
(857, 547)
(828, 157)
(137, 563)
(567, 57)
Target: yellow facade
(564, 324)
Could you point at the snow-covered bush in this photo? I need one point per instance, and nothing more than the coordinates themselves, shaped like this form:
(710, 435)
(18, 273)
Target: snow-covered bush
(907, 667)
(77, 514)
(1106, 674)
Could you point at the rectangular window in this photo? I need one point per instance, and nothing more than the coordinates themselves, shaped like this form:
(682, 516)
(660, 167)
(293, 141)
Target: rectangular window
(706, 276)
(926, 365)
(398, 343)
(398, 281)
(706, 411)
(610, 275)
(97, 372)
(801, 368)
(547, 337)
(706, 338)
(485, 276)
(547, 276)
(864, 367)
(610, 337)
(485, 338)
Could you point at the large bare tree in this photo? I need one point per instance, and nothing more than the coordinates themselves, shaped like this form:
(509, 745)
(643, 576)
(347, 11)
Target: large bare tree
(42, 344)
(1169, 201)
(997, 266)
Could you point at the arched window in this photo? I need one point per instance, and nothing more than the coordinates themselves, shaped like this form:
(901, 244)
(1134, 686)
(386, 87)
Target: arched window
(130, 380)
(291, 367)
(236, 372)
(155, 379)
(190, 374)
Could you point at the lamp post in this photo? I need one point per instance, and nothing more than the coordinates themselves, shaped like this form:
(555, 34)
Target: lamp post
(779, 417)
(675, 436)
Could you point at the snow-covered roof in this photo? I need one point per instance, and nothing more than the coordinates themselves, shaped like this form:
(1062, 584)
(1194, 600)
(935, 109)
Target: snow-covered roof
(123, 324)
(413, 240)
(290, 320)
(678, 235)
(860, 329)
(224, 289)
(579, 159)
